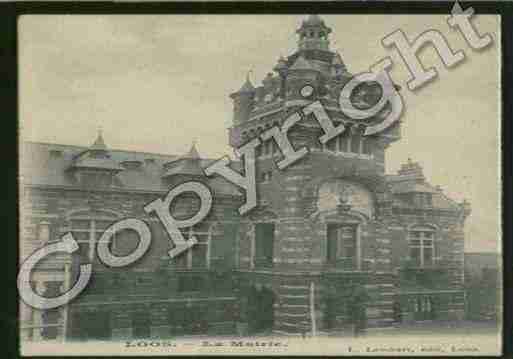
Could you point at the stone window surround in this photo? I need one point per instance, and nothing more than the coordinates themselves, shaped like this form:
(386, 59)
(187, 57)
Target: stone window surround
(351, 218)
(358, 234)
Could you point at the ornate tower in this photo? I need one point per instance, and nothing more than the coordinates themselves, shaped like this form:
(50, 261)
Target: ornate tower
(312, 238)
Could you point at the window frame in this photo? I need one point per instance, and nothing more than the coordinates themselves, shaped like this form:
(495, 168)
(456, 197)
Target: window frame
(422, 245)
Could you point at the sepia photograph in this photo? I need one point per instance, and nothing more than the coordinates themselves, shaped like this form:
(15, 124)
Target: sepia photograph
(260, 184)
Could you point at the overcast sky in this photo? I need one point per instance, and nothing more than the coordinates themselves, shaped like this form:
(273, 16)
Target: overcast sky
(156, 83)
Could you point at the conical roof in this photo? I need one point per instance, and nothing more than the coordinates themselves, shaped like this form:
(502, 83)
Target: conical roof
(337, 60)
(97, 157)
(188, 164)
(99, 143)
(247, 88)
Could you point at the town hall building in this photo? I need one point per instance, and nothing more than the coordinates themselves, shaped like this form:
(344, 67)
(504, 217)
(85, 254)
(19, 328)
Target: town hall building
(333, 243)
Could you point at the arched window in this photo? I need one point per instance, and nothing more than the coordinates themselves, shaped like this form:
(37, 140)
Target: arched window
(421, 246)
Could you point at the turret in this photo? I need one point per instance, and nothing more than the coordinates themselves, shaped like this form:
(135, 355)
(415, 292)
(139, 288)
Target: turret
(187, 166)
(243, 102)
(95, 167)
(313, 34)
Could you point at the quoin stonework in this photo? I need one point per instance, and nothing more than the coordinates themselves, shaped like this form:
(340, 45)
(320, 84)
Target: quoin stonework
(334, 244)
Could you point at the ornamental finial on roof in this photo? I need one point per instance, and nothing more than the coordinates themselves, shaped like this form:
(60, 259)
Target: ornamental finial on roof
(193, 152)
(99, 143)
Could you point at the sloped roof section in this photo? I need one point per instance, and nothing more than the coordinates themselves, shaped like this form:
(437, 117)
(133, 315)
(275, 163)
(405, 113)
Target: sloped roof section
(88, 162)
(409, 180)
(46, 165)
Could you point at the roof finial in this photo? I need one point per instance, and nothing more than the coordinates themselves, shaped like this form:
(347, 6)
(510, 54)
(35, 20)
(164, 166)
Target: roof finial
(99, 143)
(193, 152)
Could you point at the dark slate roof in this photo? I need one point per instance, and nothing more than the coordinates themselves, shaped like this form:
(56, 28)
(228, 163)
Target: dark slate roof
(46, 164)
(103, 163)
(409, 187)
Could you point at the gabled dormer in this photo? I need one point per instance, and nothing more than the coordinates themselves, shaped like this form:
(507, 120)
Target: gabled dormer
(94, 167)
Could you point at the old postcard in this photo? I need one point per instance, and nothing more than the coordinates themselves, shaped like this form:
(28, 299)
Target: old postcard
(260, 184)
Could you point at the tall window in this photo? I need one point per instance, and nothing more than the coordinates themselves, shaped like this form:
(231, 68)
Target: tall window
(355, 143)
(342, 245)
(343, 141)
(199, 255)
(264, 243)
(421, 244)
(87, 230)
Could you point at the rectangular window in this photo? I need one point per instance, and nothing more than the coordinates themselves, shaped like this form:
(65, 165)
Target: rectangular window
(355, 143)
(415, 255)
(343, 142)
(367, 146)
(347, 236)
(332, 237)
(342, 245)
(264, 243)
(421, 248)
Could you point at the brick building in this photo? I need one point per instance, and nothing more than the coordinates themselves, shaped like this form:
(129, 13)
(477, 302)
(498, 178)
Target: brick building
(334, 241)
